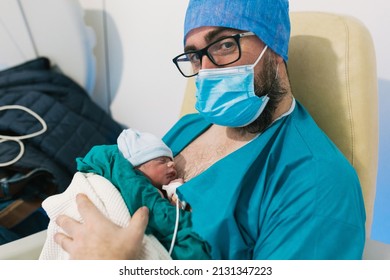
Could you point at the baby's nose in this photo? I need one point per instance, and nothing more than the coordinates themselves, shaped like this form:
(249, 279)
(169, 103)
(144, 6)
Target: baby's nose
(171, 164)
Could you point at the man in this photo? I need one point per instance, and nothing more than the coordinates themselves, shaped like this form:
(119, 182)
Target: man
(263, 181)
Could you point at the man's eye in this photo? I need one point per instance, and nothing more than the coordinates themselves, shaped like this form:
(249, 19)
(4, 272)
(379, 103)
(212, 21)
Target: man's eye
(227, 46)
(224, 47)
(194, 58)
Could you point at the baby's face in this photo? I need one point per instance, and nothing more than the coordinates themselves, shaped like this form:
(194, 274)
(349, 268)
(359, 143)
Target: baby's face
(160, 170)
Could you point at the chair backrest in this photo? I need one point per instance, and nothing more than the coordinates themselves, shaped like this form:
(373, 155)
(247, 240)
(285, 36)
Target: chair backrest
(332, 69)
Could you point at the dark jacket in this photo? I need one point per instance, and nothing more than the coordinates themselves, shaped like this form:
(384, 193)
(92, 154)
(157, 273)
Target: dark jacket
(75, 123)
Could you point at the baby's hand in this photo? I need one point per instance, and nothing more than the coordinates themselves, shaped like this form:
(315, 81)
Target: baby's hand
(173, 199)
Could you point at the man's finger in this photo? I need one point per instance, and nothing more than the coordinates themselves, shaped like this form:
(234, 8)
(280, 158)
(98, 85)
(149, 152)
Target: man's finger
(63, 240)
(87, 209)
(136, 229)
(68, 224)
(137, 225)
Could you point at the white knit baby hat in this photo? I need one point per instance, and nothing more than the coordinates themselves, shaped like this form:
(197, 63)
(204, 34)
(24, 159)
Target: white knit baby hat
(140, 147)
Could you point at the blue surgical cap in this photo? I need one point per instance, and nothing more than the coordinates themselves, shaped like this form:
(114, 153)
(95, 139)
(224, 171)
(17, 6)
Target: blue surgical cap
(268, 19)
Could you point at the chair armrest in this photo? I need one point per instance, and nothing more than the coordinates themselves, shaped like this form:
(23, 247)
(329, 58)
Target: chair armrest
(375, 250)
(27, 248)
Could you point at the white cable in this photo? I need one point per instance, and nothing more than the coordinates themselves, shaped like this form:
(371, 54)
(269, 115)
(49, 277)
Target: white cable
(5, 138)
(3, 164)
(176, 227)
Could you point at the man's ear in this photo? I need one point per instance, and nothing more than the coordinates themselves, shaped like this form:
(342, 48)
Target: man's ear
(279, 59)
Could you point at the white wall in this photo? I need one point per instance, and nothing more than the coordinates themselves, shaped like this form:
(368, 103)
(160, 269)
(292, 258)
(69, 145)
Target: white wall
(143, 37)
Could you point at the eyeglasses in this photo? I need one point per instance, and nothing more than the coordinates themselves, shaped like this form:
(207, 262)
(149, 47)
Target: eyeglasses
(222, 52)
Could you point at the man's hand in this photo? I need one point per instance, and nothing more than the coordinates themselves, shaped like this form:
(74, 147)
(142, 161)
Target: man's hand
(98, 237)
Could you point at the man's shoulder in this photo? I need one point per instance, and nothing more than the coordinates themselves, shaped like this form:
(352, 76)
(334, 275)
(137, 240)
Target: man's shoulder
(190, 118)
(187, 127)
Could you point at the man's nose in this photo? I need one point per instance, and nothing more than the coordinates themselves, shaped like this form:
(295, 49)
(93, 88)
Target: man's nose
(207, 63)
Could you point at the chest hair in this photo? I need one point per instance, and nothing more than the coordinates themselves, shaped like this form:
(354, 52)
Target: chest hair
(206, 150)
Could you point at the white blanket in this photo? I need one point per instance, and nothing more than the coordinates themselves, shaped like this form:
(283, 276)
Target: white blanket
(107, 199)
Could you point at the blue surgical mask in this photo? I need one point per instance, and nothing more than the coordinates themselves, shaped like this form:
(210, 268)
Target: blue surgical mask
(226, 96)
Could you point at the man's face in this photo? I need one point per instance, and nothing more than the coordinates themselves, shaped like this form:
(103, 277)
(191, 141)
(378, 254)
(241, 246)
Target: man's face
(265, 71)
(251, 46)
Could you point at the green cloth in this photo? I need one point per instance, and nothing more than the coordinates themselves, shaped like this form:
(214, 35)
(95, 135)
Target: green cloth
(137, 191)
(288, 194)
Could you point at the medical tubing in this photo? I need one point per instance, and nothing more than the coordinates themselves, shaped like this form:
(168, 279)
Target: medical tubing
(17, 139)
(176, 227)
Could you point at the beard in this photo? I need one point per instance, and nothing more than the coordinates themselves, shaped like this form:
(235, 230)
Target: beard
(266, 82)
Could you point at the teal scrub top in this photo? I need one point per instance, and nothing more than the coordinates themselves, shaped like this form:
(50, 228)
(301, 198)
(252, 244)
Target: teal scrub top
(287, 194)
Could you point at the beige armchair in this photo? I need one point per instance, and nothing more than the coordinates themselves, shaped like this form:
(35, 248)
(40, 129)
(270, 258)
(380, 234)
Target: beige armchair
(332, 68)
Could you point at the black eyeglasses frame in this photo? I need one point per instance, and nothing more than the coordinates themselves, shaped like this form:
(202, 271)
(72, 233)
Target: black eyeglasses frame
(204, 52)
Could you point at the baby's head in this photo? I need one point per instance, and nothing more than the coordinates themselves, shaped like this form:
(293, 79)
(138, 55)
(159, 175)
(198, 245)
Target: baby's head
(148, 154)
